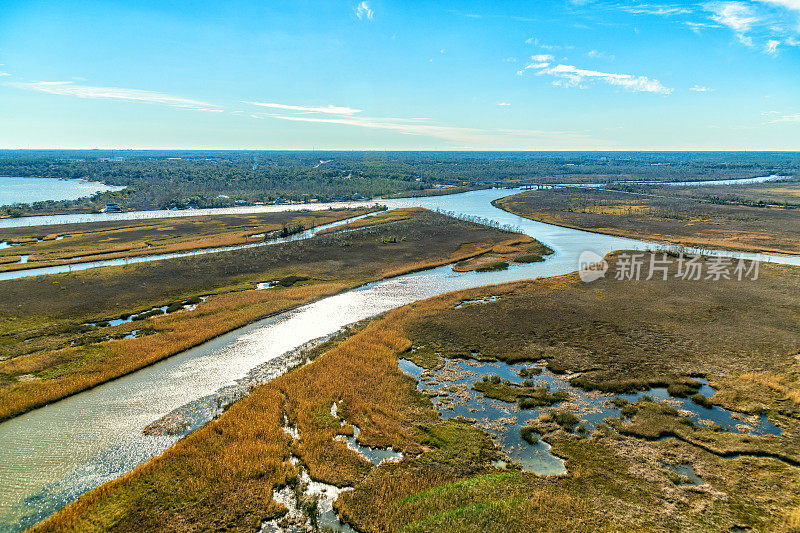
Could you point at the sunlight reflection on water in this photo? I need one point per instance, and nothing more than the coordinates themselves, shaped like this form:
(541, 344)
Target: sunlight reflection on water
(51, 455)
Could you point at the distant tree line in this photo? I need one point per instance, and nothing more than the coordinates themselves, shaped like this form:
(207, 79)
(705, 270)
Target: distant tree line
(167, 179)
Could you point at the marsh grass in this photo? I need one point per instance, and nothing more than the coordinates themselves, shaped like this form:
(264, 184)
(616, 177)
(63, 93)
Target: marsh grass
(702, 400)
(446, 482)
(224, 472)
(528, 434)
(493, 267)
(40, 329)
(528, 395)
(671, 215)
(622, 337)
(114, 240)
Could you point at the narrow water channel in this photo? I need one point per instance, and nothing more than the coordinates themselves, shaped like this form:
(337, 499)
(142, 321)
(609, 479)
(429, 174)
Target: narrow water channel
(50, 456)
(74, 267)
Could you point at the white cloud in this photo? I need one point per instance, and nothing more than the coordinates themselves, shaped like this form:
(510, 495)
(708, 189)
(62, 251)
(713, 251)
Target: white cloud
(4, 73)
(571, 76)
(772, 46)
(596, 54)
(786, 118)
(700, 89)
(542, 58)
(463, 14)
(68, 88)
(788, 4)
(463, 135)
(532, 66)
(536, 42)
(738, 16)
(758, 24)
(697, 26)
(503, 103)
(363, 11)
(659, 10)
(329, 109)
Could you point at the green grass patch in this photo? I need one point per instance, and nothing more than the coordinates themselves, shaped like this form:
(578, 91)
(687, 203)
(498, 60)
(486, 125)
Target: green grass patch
(565, 419)
(541, 397)
(683, 390)
(529, 258)
(290, 281)
(424, 356)
(529, 435)
(493, 267)
(702, 400)
(529, 371)
(528, 394)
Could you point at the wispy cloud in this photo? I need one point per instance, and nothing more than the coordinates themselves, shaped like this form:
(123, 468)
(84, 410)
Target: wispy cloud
(772, 46)
(763, 24)
(698, 26)
(503, 103)
(69, 88)
(755, 23)
(786, 118)
(538, 61)
(329, 109)
(661, 10)
(738, 16)
(572, 76)
(462, 135)
(598, 54)
(536, 42)
(464, 14)
(363, 11)
(788, 4)
(4, 73)
(700, 89)
(532, 66)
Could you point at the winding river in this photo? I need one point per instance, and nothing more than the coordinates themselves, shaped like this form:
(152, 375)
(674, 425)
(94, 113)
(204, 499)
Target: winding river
(51, 455)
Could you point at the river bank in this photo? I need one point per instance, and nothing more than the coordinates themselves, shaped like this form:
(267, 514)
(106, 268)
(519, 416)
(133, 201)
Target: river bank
(450, 477)
(338, 310)
(673, 217)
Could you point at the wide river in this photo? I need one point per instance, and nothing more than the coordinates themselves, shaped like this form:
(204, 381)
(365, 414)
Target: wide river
(52, 455)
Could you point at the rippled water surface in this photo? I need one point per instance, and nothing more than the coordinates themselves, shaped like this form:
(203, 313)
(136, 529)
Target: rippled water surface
(74, 267)
(51, 455)
(455, 397)
(15, 190)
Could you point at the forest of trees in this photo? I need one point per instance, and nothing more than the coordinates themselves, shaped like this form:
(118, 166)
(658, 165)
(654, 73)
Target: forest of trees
(165, 179)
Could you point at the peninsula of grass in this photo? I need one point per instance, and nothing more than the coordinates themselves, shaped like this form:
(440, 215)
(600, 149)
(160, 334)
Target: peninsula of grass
(50, 349)
(712, 217)
(618, 478)
(492, 267)
(63, 244)
(527, 395)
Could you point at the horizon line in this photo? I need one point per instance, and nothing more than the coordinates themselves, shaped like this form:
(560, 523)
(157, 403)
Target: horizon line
(407, 150)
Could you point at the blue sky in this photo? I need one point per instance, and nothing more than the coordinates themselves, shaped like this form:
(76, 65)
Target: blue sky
(379, 74)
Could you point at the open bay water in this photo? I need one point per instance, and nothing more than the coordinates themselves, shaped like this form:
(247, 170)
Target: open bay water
(15, 190)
